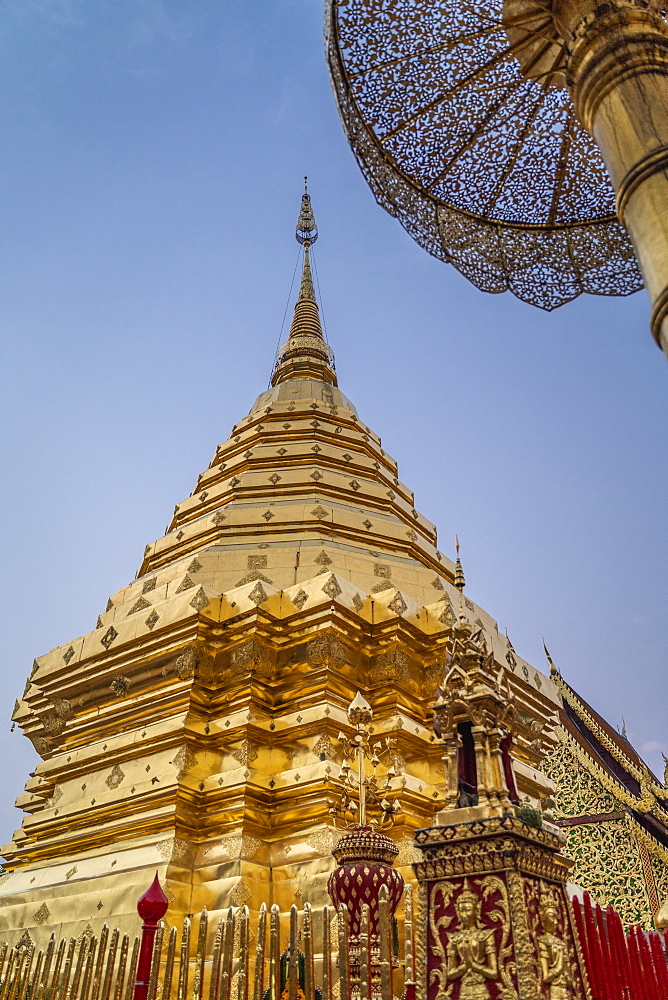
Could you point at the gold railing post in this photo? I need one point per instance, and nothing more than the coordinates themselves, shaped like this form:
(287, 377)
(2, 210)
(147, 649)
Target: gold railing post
(244, 940)
(385, 943)
(88, 971)
(293, 967)
(169, 964)
(200, 955)
(228, 956)
(409, 950)
(111, 961)
(307, 932)
(214, 984)
(365, 956)
(122, 963)
(155, 964)
(185, 960)
(274, 953)
(258, 983)
(344, 954)
(326, 954)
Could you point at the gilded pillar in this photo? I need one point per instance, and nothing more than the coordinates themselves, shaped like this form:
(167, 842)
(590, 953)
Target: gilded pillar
(613, 57)
(617, 72)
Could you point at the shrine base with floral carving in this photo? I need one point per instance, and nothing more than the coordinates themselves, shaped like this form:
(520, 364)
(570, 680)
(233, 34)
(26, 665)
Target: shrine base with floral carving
(499, 925)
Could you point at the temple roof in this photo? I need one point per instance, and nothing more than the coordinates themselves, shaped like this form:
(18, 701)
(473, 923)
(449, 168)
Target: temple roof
(612, 759)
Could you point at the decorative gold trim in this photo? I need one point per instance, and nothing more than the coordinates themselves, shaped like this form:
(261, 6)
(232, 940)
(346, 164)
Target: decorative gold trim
(615, 788)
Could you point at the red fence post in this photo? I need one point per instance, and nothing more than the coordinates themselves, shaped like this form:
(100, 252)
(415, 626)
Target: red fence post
(596, 980)
(151, 907)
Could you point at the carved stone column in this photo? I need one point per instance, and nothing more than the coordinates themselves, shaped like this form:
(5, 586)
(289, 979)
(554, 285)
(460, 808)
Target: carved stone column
(497, 922)
(613, 57)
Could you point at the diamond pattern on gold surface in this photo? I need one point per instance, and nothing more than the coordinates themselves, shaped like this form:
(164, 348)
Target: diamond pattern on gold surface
(447, 615)
(268, 515)
(152, 620)
(109, 637)
(184, 760)
(398, 605)
(323, 841)
(219, 518)
(139, 605)
(258, 594)
(42, 914)
(246, 753)
(240, 894)
(68, 655)
(332, 588)
(148, 585)
(186, 584)
(319, 512)
(324, 746)
(300, 599)
(115, 777)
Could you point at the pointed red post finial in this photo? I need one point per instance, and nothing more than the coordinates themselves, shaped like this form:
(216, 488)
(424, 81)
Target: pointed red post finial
(151, 907)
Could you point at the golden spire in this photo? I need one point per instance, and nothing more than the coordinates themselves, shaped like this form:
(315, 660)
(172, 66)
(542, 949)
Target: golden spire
(460, 582)
(305, 354)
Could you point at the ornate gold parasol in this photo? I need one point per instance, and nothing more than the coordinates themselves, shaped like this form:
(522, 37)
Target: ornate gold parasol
(459, 116)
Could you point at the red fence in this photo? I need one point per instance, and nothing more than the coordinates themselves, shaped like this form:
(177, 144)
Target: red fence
(621, 966)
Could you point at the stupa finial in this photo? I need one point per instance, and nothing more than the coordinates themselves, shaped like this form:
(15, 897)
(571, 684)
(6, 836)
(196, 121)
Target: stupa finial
(307, 230)
(305, 354)
(460, 581)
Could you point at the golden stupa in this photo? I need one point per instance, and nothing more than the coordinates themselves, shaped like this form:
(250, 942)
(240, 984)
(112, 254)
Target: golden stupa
(193, 731)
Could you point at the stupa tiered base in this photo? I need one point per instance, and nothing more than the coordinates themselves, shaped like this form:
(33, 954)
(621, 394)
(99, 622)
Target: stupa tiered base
(495, 921)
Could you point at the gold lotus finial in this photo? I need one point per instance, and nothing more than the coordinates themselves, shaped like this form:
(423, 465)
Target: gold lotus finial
(358, 792)
(359, 710)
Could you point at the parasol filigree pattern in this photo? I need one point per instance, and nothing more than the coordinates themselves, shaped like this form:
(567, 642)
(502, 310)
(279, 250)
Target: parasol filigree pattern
(487, 170)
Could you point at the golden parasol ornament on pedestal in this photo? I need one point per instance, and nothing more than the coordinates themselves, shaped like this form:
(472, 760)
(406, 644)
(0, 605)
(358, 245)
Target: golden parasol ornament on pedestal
(482, 128)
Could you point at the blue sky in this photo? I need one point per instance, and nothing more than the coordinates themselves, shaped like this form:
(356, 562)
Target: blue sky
(151, 163)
